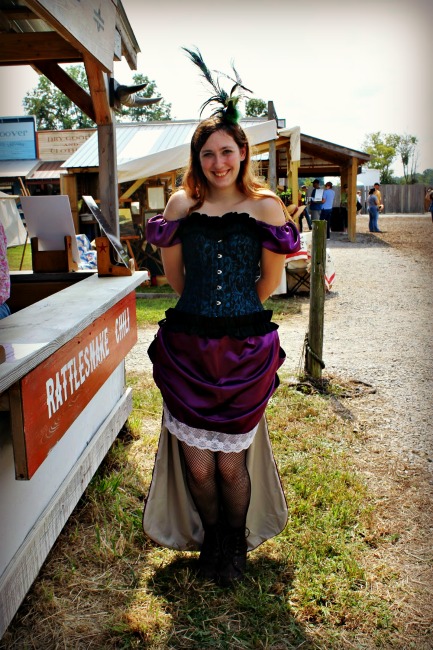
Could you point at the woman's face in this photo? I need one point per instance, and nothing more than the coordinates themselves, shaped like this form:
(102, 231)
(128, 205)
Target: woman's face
(220, 159)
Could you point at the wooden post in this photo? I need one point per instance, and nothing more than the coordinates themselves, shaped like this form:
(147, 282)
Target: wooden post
(314, 348)
(294, 185)
(68, 185)
(352, 172)
(272, 169)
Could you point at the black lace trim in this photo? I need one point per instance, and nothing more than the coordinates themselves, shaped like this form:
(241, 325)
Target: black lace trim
(215, 227)
(255, 324)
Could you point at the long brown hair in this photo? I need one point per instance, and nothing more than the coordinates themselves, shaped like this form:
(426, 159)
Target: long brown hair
(194, 181)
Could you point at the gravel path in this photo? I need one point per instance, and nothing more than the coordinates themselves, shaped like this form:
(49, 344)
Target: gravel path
(378, 330)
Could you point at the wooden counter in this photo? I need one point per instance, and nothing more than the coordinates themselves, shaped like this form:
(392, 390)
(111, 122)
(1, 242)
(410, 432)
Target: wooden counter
(62, 373)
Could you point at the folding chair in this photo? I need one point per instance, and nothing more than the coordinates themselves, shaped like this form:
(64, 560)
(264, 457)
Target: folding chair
(298, 280)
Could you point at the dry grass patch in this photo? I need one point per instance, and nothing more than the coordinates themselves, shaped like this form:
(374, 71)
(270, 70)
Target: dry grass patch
(104, 585)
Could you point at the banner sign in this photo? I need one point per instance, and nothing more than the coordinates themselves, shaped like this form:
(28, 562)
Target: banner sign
(17, 138)
(56, 392)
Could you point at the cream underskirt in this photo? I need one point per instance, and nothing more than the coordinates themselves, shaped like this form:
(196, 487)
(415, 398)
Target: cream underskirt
(170, 517)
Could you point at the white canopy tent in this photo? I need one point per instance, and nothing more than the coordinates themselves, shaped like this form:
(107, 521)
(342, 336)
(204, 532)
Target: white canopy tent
(11, 220)
(166, 160)
(151, 149)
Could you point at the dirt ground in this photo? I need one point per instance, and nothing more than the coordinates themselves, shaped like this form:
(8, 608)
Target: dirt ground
(378, 338)
(378, 330)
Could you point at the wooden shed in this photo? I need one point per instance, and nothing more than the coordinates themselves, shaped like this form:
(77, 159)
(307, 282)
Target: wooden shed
(296, 155)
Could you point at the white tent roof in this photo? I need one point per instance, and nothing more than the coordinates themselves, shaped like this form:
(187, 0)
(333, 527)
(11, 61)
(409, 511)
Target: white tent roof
(155, 148)
(11, 220)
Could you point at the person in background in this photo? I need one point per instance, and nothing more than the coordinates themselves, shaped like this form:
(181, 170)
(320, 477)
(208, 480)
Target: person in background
(328, 203)
(427, 199)
(315, 206)
(223, 238)
(379, 195)
(303, 202)
(358, 202)
(431, 205)
(373, 210)
(344, 199)
(5, 281)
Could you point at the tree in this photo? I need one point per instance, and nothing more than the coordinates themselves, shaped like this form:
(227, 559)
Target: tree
(256, 108)
(383, 152)
(406, 147)
(54, 110)
(384, 149)
(160, 111)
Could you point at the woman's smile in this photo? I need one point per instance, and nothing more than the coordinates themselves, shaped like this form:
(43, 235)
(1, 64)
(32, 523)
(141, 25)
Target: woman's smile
(220, 159)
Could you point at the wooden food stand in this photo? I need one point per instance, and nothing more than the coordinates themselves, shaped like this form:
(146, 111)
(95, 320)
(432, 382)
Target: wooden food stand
(63, 396)
(63, 379)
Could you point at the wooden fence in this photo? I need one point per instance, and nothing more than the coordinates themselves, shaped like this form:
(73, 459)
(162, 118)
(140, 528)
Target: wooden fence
(399, 199)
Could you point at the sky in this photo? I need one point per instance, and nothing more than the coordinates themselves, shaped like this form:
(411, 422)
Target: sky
(338, 69)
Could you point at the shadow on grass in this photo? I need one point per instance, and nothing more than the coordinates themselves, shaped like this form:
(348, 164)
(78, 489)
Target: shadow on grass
(253, 614)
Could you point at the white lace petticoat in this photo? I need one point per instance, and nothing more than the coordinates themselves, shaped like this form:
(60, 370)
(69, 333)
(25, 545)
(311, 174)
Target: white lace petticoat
(203, 439)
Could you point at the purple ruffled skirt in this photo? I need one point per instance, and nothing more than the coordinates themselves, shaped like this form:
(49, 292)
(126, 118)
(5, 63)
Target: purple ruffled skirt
(217, 384)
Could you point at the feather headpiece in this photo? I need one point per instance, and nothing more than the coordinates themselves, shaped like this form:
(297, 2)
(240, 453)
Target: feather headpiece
(228, 102)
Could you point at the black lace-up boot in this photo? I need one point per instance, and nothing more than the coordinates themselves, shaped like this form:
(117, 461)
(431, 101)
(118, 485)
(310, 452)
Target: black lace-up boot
(233, 556)
(210, 553)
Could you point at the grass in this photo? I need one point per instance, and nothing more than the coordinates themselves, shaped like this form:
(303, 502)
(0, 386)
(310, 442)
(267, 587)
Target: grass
(15, 254)
(105, 585)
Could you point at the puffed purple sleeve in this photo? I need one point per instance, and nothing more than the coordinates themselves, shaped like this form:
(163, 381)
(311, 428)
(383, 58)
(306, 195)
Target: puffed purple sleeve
(280, 239)
(162, 233)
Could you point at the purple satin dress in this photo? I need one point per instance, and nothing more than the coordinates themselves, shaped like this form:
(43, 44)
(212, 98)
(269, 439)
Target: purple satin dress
(216, 355)
(215, 359)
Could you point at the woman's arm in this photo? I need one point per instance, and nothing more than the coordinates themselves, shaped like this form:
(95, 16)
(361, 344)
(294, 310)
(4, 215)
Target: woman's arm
(172, 259)
(174, 270)
(271, 268)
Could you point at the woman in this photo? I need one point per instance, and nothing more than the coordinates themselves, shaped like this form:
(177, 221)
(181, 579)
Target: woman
(223, 240)
(373, 210)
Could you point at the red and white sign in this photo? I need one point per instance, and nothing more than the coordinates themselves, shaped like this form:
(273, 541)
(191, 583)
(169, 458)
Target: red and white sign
(56, 392)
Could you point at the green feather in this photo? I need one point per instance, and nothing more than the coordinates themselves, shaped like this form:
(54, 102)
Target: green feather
(227, 102)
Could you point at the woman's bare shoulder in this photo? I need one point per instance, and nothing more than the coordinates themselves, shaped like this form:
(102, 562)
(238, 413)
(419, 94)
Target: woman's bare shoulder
(269, 208)
(178, 206)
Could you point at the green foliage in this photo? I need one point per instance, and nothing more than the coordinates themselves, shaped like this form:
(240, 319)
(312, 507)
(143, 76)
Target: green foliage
(54, 111)
(155, 112)
(426, 177)
(407, 150)
(384, 149)
(256, 108)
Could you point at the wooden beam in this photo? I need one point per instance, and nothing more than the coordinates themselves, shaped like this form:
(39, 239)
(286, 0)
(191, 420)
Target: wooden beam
(68, 185)
(68, 86)
(108, 188)
(294, 168)
(351, 207)
(98, 85)
(19, 13)
(130, 191)
(17, 49)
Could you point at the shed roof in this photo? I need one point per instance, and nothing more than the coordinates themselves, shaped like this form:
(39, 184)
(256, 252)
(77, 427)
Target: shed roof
(45, 171)
(17, 168)
(151, 148)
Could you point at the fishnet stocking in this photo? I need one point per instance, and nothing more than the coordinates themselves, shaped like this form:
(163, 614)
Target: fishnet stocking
(201, 478)
(218, 478)
(235, 486)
